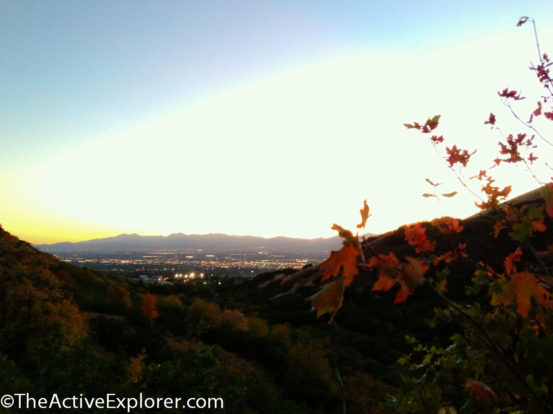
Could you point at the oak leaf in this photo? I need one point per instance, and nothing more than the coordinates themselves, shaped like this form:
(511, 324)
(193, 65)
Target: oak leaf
(520, 288)
(344, 261)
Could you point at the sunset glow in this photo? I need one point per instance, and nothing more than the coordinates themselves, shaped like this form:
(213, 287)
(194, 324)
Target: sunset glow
(282, 151)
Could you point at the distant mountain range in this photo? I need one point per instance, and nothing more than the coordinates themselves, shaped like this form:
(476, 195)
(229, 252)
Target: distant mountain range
(205, 242)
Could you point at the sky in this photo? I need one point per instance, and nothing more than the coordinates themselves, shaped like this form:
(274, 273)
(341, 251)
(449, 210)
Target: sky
(251, 117)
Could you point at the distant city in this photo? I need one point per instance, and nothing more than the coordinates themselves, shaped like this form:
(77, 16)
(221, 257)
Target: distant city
(169, 266)
(179, 258)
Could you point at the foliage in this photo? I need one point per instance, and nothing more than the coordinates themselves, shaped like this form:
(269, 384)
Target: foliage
(149, 309)
(505, 313)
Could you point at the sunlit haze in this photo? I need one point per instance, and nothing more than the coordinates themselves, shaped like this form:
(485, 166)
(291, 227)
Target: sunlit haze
(245, 118)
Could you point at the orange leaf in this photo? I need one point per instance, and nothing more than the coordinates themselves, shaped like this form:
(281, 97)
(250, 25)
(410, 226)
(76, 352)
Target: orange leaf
(521, 287)
(411, 276)
(416, 237)
(511, 259)
(432, 183)
(449, 195)
(365, 214)
(347, 235)
(345, 260)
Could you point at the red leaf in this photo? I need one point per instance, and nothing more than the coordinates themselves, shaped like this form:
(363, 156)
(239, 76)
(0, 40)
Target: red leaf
(415, 235)
(511, 259)
(456, 155)
(491, 120)
(537, 111)
(508, 94)
(480, 390)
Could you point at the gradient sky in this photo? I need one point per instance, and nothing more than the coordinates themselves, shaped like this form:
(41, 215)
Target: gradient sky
(247, 117)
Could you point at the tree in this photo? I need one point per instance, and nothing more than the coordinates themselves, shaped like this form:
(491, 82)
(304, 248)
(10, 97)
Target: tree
(149, 309)
(501, 354)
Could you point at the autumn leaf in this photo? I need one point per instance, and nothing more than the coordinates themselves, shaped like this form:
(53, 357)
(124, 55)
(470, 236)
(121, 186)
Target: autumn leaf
(415, 125)
(430, 125)
(508, 94)
(526, 222)
(511, 259)
(388, 267)
(348, 238)
(480, 390)
(520, 288)
(328, 299)
(491, 120)
(391, 271)
(449, 195)
(432, 183)
(365, 214)
(456, 155)
(344, 260)
(412, 273)
(495, 195)
(537, 111)
(427, 195)
(415, 235)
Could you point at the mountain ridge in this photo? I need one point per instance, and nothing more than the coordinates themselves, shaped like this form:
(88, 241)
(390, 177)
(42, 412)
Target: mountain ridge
(182, 241)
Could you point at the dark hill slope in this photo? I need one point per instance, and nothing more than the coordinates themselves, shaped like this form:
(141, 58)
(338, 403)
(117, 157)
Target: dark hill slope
(373, 328)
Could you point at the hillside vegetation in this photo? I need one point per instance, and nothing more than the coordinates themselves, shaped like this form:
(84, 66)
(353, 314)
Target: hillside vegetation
(253, 342)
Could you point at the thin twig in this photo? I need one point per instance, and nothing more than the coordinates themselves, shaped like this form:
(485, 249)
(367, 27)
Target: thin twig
(527, 125)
